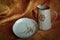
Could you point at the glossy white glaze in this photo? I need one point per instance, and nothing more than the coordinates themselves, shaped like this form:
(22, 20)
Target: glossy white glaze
(24, 27)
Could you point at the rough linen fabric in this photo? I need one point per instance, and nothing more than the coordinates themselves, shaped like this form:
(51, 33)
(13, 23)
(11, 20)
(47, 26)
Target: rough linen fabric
(16, 9)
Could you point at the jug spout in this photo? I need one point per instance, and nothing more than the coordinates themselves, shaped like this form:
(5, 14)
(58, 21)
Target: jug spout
(43, 7)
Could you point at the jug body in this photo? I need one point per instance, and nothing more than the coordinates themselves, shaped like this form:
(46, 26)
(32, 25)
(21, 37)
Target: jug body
(44, 19)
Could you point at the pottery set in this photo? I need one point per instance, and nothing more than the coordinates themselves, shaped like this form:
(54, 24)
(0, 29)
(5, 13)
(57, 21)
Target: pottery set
(26, 27)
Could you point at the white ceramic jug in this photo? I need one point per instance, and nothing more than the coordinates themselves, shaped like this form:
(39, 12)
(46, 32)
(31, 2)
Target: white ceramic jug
(44, 17)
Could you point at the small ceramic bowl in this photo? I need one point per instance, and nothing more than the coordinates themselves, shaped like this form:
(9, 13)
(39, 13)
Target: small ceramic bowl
(24, 27)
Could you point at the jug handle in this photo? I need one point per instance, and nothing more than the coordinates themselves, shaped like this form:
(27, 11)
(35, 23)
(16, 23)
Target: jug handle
(55, 17)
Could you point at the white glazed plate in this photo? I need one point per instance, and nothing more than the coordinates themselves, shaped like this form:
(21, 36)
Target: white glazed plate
(24, 27)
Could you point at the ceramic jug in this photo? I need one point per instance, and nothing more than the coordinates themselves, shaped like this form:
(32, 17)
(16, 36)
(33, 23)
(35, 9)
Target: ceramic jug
(44, 17)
